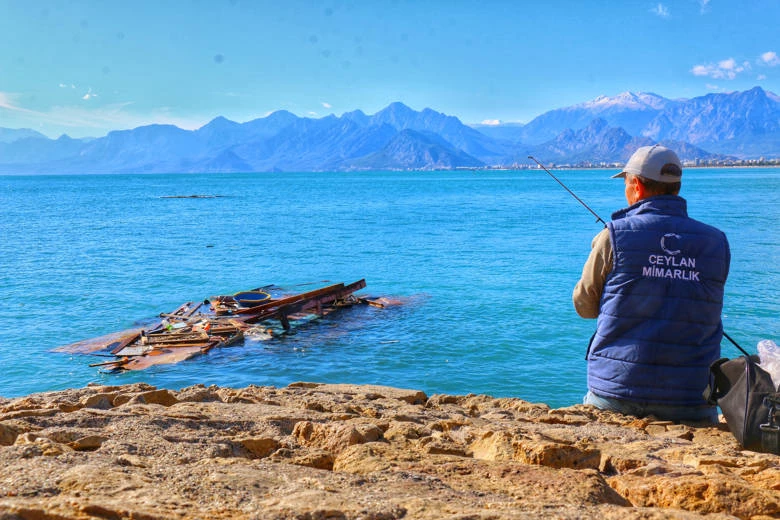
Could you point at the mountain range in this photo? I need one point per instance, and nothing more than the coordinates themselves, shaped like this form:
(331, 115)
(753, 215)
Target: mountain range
(606, 130)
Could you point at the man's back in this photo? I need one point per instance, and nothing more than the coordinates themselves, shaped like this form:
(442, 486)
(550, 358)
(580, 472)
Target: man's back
(659, 324)
(655, 279)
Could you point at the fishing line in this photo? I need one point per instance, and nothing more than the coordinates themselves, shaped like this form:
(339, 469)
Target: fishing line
(735, 343)
(598, 219)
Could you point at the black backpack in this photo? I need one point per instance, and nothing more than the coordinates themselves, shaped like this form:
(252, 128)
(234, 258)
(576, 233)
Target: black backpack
(749, 401)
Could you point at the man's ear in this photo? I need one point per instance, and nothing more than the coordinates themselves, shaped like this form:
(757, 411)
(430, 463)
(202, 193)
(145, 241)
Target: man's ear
(635, 190)
(639, 189)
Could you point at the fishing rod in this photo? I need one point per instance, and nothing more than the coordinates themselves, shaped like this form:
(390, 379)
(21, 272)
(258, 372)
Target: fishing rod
(598, 219)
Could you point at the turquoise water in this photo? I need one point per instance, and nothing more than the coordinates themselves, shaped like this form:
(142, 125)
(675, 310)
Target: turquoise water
(483, 261)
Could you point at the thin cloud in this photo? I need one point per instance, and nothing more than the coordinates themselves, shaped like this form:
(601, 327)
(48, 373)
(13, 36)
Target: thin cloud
(7, 102)
(117, 117)
(660, 10)
(724, 69)
(89, 95)
(491, 122)
(97, 120)
(327, 105)
(704, 6)
(770, 58)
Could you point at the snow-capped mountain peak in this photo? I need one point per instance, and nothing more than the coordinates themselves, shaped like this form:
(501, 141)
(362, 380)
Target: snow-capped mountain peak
(627, 100)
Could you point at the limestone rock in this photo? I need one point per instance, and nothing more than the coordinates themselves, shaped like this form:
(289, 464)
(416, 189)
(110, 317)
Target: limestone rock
(260, 446)
(348, 451)
(8, 433)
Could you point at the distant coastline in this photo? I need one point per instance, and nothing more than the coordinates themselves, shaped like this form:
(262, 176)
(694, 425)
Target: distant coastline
(771, 163)
(553, 167)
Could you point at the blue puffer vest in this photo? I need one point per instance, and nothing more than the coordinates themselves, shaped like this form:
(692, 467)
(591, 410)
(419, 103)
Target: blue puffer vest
(659, 326)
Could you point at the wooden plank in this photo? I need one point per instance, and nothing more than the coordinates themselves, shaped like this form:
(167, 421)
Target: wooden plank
(107, 363)
(108, 341)
(372, 303)
(257, 309)
(127, 351)
(184, 312)
(180, 312)
(176, 338)
(132, 350)
(324, 296)
(161, 357)
(326, 299)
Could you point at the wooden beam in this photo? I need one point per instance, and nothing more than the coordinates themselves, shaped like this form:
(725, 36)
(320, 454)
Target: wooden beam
(305, 301)
(258, 309)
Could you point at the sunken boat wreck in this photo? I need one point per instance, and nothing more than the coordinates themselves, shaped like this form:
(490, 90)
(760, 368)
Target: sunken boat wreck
(219, 321)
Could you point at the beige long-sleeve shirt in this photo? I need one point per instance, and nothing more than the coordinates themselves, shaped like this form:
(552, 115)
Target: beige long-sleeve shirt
(587, 292)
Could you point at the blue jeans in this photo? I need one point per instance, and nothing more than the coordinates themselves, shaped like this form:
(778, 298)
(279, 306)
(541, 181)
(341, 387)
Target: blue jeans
(661, 411)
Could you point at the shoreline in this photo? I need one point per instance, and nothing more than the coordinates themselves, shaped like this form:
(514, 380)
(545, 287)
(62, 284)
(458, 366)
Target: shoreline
(408, 170)
(590, 168)
(313, 450)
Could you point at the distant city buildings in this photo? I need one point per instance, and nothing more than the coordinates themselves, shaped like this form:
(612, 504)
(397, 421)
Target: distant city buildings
(761, 161)
(693, 163)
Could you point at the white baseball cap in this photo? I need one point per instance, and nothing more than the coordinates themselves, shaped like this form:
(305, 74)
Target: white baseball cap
(656, 163)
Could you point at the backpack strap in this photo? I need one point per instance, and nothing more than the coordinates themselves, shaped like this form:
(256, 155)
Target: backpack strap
(718, 384)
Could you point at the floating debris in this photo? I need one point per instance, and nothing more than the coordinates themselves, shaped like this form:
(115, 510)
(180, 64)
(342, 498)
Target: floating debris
(191, 196)
(219, 321)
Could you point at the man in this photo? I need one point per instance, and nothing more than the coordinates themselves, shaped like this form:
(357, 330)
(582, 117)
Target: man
(655, 280)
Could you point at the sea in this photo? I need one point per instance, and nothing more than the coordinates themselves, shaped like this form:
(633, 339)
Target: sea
(480, 264)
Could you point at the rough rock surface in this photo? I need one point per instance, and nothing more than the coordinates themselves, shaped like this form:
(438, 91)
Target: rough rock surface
(313, 451)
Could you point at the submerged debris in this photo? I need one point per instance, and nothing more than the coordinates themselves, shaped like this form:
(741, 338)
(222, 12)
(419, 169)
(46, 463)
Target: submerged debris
(194, 196)
(219, 321)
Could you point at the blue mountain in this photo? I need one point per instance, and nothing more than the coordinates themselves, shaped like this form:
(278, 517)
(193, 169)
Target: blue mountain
(740, 124)
(225, 161)
(270, 125)
(628, 110)
(410, 149)
(597, 142)
(8, 135)
(314, 145)
(153, 148)
(450, 128)
(601, 143)
(34, 148)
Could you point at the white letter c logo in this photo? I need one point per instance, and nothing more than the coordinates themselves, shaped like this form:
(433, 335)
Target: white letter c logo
(664, 246)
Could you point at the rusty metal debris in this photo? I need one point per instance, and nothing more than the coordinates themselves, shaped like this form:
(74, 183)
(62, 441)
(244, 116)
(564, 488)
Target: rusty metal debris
(195, 328)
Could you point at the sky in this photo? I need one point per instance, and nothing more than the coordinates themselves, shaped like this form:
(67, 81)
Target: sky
(84, 68)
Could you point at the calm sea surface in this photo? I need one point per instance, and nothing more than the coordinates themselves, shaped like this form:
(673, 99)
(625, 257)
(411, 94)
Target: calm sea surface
(484, 262)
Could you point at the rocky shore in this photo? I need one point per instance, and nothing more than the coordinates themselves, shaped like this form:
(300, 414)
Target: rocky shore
(313, 451)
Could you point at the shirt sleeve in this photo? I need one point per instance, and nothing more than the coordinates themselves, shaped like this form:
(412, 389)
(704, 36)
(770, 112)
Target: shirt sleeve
(587, 292)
